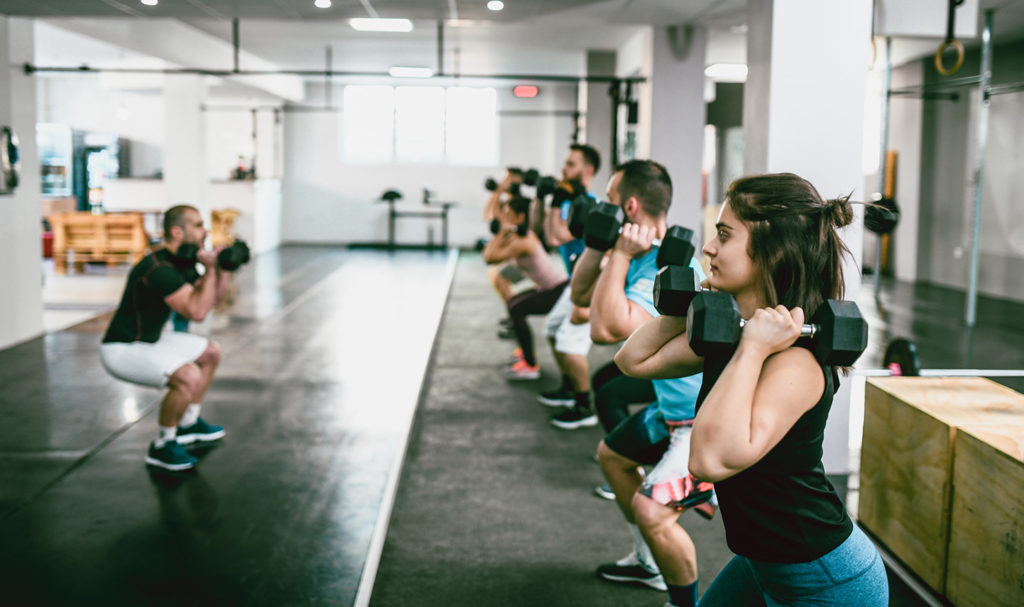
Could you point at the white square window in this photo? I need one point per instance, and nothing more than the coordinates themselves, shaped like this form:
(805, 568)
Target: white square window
(368, 124)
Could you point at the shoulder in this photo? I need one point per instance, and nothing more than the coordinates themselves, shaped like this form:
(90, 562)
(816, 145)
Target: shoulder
(794, 368)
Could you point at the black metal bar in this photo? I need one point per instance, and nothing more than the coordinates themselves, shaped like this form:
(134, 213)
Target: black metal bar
(85, 69)
(234, 38)
(440, 47)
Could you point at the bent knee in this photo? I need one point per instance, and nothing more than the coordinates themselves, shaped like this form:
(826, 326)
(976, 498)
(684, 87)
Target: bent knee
(211, 355)
(187, 378)
(650, 514)
(609, 458)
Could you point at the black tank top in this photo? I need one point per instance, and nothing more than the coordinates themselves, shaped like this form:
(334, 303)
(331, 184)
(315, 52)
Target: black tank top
(783, 509)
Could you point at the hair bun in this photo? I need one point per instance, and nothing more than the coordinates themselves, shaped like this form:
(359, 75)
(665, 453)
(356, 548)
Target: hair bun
(840, 210)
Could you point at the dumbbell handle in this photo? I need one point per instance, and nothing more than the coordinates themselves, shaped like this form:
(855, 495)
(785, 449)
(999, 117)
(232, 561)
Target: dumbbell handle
(945, 373)
(808, 330)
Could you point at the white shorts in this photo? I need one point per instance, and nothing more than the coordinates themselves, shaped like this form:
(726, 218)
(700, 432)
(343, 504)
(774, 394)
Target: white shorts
(569, 338)
(670, 483)
(152, 364)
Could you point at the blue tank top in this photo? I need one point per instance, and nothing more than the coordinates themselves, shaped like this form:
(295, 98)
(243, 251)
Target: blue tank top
(676, 397)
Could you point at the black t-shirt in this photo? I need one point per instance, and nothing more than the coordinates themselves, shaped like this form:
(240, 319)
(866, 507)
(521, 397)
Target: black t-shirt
(143, 311)
(783, 509)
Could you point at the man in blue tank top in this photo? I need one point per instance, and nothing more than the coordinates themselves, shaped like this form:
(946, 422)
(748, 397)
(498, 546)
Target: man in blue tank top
(618, 287)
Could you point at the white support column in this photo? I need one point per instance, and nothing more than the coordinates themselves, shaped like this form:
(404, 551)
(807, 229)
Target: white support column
(804, 114)
(21, 307)
(185, 179)
(678, 115)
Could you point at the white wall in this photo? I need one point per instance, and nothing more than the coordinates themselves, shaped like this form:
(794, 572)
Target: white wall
(85, 102)
(328, 201)
(949, 148)
(21, 307)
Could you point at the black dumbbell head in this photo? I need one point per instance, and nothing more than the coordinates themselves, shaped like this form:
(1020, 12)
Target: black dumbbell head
(603, 225)
(842, 333)
(490, 184)
(546, 186)
(578, 213)
(676, 247)
(530, 177)
(231, 258)
(674, 288)
(187, 252)
(495, 225)
(713, 323)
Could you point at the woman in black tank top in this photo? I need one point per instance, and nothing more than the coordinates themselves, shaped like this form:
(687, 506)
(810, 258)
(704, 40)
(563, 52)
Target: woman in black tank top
(762, 408)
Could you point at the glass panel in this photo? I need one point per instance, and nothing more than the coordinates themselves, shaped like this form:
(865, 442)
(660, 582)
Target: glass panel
(368, 124)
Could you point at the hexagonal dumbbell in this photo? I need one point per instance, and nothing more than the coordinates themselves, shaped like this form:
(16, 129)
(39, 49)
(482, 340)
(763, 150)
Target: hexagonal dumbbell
(603, 225)
(838, 333)
(674, 288)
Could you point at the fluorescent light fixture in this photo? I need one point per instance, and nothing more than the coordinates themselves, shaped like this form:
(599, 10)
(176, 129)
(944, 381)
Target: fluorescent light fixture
(460, 23)
(322, 3)
(411, 72)
(381, 25)
(149, 2)
(495, 5)
(726, 72)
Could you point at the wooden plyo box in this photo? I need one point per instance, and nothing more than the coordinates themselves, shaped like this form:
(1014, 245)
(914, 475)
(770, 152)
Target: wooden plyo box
(986, 530)
(907, 454)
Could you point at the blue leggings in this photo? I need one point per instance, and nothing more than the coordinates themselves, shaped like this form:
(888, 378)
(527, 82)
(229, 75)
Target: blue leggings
(852, 574)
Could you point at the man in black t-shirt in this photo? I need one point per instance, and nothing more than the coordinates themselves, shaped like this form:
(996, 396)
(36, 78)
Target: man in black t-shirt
(136, 349)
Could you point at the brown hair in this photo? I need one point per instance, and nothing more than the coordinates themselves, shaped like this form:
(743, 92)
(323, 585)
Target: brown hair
(649, 183)
(175, 216)
(590, 154)
(793, 238)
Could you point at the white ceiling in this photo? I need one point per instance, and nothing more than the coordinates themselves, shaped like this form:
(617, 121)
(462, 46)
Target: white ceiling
(528, 37)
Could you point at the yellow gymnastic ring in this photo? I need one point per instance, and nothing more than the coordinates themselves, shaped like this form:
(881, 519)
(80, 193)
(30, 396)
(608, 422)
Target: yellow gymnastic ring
(959, 57)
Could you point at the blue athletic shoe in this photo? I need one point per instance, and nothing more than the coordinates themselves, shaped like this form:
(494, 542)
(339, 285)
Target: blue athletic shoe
(170, 456)
(201, 431)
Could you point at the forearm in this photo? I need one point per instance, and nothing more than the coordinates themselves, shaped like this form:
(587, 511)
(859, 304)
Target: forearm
(492, 205)
(223, 282)
(584, 277)
(611, 318)
(724, 440)
(204, 297)
(659, 350)
(555, 228)
(501, 248)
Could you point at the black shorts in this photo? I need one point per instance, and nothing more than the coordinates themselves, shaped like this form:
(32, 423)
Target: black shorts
(631, 439)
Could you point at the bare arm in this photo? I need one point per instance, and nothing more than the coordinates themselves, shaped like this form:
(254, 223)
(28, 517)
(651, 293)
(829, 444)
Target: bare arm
(194, 303)
(659, 349)
(613, 316)
(760, 395)
(556, 229)
(584, 276)
(507, 244)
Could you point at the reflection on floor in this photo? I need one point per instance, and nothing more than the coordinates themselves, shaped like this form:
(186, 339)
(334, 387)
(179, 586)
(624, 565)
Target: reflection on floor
(323, 361)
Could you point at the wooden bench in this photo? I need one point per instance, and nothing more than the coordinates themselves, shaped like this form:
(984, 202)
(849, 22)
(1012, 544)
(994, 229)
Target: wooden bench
(83, 237)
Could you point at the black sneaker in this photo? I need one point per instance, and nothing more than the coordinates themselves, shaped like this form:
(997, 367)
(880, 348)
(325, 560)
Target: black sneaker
(561, 397)
(631, 571)
(574, 418)
(507, 333)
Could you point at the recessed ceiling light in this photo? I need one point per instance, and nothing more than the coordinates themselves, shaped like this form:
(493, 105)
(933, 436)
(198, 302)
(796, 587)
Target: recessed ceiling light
(411, 72)
(149, 2)
(726, 72)
(495, 5)
(381, 25)
(322, 3)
